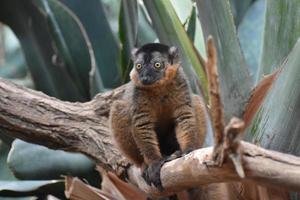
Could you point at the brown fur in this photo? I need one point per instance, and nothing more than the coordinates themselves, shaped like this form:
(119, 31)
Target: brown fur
(170, 73)
(164, 109)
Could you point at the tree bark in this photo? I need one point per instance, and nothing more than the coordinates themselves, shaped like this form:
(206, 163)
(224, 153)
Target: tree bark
(83, 127)
(76, 127)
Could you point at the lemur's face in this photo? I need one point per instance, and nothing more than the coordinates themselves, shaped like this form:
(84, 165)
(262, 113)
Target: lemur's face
(152, 60)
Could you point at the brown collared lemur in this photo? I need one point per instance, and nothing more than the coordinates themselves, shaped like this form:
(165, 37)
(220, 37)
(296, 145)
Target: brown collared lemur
(158, 114)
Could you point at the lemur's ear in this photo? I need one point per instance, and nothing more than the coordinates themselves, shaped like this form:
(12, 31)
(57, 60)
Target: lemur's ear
(173, 55)
(133, 53)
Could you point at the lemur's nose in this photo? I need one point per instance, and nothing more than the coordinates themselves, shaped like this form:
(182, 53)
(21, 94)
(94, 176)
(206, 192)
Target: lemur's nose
(146, 80)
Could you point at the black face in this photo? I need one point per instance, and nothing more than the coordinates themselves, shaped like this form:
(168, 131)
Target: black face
(151, 60)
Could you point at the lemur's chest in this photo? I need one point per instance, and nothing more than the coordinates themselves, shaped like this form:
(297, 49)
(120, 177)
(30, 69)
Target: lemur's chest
(164, 107)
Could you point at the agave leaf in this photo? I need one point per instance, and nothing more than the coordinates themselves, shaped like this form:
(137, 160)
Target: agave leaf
(112, 10)
(35, 162)
(281, 31)
(191, 27)
(258, 95)
(187, 13)
(5, 172)
(145, 32)
(276, 125)
(31, 188)
(250, 34)
(128, 23)
(239, 9)
(183, 9)
(29, 24)
(216, 20)
(15, 66)
(105, 47)
(77, 61)
(170, 31)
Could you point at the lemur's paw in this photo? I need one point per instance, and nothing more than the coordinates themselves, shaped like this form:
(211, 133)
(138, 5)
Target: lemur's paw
(151, 174)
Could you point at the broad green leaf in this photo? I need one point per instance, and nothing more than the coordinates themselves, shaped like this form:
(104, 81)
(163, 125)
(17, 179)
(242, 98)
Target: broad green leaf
(128, 26)
(12, 62)
(239, 9)
(106, 49)
(250, 34)
(281, 31)
(31, 188)
(276, 125)
(5, 172)
(76, 60)
(216, 20)
(35, 162)
(145, 32)
(29, 24)
(111, 9)
(170, 31)
(136, 19)
(187, 13)
(191, 25)
(183, 9)
(14, 66)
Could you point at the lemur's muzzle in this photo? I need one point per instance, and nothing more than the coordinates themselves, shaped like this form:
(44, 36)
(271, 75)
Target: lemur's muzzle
(149, 76)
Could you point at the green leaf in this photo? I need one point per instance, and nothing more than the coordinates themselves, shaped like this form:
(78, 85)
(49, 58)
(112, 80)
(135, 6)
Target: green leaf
(35, 162)
(145, 32)
(250, 34)
(239, 9)
(187, 13)
(31, 188)
(76, 60)
(276, 126)
(191, 27)
(128, 23)
(28, 23)
(281, 31)
(170, 31)
(5, 172)
(216, 20)
(183, 9)
(106, 49)
(15, 66)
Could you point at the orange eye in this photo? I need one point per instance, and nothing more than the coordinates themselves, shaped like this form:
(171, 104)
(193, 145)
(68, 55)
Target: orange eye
(157, 65)
(138, 66)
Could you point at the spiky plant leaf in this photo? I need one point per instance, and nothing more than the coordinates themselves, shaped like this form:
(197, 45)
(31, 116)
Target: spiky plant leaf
(35, 162)
(250, 32)
(216, 20)
(170, 31)
(29, 24)
(281, 31)
(239, 9)
(106, 49)
(128, 26)
(276, 125)
(76, 60)
(31, 188)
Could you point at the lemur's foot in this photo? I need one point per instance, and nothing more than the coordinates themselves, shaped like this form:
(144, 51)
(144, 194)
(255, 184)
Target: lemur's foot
(151, 174)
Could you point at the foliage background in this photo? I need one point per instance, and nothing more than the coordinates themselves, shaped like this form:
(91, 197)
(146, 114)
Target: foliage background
(75, 49)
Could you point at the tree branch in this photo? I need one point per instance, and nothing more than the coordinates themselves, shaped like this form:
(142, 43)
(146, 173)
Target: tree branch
(82, 127)
(77, 127)
(265, 167)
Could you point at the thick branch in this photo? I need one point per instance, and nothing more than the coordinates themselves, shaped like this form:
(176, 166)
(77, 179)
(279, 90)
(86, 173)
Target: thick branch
(262, 166)
(83, 127)
(78, 127)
